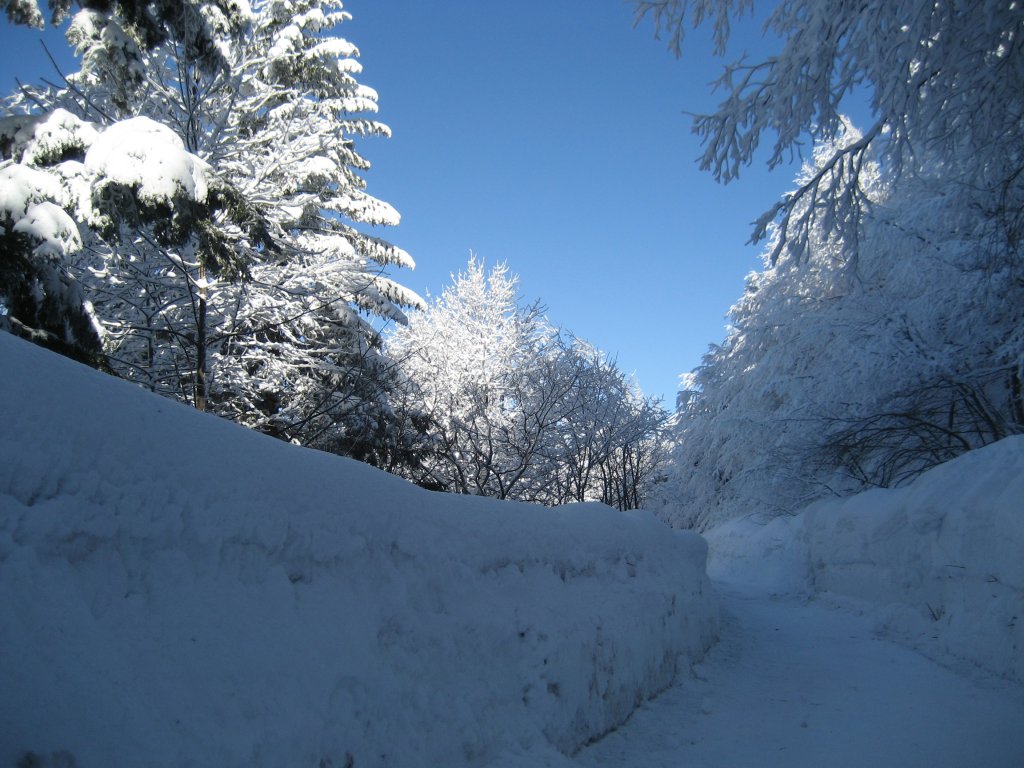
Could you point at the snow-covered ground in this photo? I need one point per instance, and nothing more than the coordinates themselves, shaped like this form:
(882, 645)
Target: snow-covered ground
(798, 684)
(829, 618)
(940, 562)
(175, 590)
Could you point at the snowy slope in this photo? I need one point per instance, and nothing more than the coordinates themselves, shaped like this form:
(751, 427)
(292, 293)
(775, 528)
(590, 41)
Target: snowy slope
(942, 557)
(175, 590)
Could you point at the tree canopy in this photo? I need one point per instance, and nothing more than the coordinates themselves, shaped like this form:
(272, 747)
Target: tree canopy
(224, 247)
(883, 334)
(945, 83)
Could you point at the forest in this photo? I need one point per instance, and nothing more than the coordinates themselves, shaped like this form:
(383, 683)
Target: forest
(187, 212)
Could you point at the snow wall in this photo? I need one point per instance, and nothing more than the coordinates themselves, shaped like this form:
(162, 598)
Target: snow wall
(944, 555)
(178, 591)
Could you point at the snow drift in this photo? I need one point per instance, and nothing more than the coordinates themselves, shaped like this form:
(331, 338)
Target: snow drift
(944, 554)
(176, 590)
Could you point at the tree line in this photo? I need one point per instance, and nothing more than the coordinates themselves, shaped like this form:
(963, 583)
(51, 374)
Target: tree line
(187, 212)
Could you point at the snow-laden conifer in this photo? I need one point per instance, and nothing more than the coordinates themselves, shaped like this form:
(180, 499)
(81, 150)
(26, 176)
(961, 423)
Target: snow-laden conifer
(64, 180)
(276, 298)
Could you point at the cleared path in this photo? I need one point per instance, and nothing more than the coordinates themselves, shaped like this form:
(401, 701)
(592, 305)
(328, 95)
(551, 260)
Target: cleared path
(801, 684)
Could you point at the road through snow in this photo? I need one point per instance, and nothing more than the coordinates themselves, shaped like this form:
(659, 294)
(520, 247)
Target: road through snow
(805, 685)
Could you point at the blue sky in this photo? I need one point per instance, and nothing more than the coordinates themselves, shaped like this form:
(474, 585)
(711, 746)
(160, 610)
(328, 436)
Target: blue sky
(553, 136)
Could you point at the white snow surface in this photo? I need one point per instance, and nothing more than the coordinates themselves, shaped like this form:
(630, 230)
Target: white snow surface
(55, 232)
(797, 683)
(141, 153)
(21, 187)
(178, 591)
(814, 669)
(939, 562)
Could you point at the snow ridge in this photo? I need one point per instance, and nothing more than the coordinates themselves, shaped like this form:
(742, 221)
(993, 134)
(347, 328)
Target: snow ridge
(176, 590)
(940, 556)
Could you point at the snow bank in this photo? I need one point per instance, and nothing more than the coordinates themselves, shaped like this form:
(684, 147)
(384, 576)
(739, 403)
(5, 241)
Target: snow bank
(175, 590)
(945, 554)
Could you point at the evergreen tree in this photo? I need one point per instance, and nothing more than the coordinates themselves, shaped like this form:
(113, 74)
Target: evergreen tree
(60, 187)
(286, 331)
(66, 180)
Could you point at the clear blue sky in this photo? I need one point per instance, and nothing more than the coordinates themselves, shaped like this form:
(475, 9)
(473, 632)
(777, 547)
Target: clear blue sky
(552, 135)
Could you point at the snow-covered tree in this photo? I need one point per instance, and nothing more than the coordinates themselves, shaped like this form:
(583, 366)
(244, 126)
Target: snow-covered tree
(287, 335)
(465, 359)
(512, 408)
(63, 177)
(290, 146)
(138, 25)
(58, 186)
(945, 82)
(882, 335)
(610, 444)
(831, 381)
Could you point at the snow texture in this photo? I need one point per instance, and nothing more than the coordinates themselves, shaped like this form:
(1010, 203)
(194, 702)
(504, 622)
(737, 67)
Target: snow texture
(21, 187)
(803, 684)
(941, 556)
(175, 590)
(55, 231)
(146, 155)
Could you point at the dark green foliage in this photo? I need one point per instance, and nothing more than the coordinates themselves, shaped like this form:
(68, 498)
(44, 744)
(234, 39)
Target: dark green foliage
(152, 22)
(43, 304)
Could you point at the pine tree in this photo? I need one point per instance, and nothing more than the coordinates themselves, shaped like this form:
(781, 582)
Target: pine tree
(284, 319)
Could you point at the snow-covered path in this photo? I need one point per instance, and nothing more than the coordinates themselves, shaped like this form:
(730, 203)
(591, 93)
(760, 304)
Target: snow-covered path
(804, 685)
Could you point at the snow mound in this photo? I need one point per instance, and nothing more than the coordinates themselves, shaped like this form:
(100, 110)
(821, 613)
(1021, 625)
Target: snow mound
(944, 554)
(145, 155)
(176, 590)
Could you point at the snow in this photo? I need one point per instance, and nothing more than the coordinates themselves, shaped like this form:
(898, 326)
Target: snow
(25, 207)
(879, 629)
(175, 590)
(798, 684)
(143, 154)
(22, 186)
(138, 153)
(938, 561)
(178, 591)
(49, 136)
(55, 231)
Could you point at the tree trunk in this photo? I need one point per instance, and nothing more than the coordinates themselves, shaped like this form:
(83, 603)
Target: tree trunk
(201, 385)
